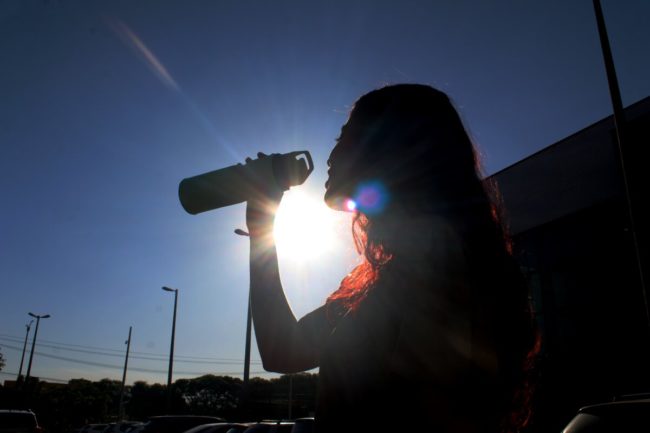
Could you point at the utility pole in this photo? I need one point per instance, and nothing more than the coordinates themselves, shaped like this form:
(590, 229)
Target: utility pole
(126, 364)
(247, 358)
(619, 122)
(290, 395)
(31, 355)
(247, 350)
(171, 350)
(22, 358)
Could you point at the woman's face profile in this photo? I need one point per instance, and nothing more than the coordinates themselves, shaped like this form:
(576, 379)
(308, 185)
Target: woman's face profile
(338, 186)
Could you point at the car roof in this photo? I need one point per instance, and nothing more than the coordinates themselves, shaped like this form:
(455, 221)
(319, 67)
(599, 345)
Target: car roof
(182, 416)
(617, 406)
(29, 411)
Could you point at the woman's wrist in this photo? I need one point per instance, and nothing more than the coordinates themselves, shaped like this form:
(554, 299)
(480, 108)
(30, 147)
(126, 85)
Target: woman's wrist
(260, 231)
(260, 224)
(260, 213)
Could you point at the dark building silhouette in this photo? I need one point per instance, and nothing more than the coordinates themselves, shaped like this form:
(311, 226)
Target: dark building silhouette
(568, 215)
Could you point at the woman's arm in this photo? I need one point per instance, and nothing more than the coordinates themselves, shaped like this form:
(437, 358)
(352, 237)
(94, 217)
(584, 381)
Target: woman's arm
(285, 344)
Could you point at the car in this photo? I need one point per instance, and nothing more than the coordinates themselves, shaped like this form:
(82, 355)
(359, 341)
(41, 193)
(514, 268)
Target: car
(220, 427)
(282, 427)
(136, 428)
(177, 423)
(110, 428)
(93, 428)
(630, 414)
(121, 426)
(18, 421)
(303, 425)
(271, 427)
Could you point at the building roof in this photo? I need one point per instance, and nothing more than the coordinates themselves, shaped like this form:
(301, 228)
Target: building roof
(575, 173)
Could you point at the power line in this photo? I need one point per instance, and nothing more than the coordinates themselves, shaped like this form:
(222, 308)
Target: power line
(119, 352)
(161, 358)
(118, 367)
(50, 379)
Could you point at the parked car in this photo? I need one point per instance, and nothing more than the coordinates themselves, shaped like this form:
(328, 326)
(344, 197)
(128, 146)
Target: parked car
(303, 425)
(271, 427)
(239, 428)
(136, 428)
(93, 428)
(110, 427)
(220, 427)
(18, 421)
(121, 427)
(281, 427)
(631, 414)
(177, 423)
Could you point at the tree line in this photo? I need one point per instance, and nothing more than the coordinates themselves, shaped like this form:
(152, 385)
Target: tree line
(61, 408)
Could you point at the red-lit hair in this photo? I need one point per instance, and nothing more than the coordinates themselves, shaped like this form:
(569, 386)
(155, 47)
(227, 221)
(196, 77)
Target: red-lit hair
(356, 285)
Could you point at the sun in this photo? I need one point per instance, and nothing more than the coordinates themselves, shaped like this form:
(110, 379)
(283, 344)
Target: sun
(305, 228)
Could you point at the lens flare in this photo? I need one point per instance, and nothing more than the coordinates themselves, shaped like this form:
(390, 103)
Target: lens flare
(371, 198)
(350, 205)
(156, 66)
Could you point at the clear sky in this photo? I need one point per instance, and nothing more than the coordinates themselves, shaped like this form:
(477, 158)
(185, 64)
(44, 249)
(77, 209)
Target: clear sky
(106, 105)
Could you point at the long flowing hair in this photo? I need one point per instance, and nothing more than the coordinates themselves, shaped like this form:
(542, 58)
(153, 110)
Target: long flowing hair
(410, 139)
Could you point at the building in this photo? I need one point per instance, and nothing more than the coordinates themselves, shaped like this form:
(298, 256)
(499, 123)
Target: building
(567, 212)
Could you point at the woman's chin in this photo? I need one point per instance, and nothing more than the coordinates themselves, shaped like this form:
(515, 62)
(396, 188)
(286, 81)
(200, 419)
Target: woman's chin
(329, 199)
(339, 202)
(332, 200)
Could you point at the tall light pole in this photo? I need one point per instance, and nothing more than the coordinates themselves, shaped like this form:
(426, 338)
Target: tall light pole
(171, 350)
(620, 126)
(31, 355)
(22, 358)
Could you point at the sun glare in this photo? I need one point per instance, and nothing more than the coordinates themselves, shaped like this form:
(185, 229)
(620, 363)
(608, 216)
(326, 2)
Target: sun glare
(305, 228)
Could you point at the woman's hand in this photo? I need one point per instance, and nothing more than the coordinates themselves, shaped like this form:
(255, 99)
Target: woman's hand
(261, 209)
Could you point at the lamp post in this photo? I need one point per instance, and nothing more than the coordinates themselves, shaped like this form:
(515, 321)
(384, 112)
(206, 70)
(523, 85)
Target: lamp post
(31, 355)
(620, 128)
(22, 358)
(171, 349)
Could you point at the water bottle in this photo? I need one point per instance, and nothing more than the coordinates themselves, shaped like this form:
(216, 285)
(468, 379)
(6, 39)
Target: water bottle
(237, 183)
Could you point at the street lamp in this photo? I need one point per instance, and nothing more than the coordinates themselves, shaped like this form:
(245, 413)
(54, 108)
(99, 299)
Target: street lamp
(31, 355)
(171, 349)
(22, 358)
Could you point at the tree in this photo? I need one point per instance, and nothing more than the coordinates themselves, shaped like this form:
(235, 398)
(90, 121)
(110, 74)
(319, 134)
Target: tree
(211, 395)
(146, 400)
(2, 361)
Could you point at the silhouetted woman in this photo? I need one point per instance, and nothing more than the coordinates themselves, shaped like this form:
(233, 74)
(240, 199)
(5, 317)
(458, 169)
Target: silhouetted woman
(430, 332)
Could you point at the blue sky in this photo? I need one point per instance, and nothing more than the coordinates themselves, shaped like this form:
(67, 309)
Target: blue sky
(106, 106)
